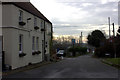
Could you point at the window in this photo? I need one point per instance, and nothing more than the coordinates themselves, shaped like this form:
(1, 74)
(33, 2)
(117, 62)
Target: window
(37, 43)
(35, 22)
(20, 16)
(41, 23)
(33, 43)
(20, 43)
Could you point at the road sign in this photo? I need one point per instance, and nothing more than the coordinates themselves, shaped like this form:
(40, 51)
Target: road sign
(73, 41)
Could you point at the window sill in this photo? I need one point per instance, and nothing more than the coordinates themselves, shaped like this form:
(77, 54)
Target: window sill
(22, 54)
(22, 23)
(36, 27)
(36, 53)
(42, 29)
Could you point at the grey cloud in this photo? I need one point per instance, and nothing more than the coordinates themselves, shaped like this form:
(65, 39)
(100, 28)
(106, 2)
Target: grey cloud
(85, 1)
(97, 14)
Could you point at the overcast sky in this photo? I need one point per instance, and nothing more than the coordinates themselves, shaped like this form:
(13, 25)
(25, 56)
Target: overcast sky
(70, 17)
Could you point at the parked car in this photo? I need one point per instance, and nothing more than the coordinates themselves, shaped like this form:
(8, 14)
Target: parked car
(60, 53)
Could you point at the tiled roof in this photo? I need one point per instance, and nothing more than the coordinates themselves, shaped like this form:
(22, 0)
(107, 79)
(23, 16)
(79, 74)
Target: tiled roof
(27, 6)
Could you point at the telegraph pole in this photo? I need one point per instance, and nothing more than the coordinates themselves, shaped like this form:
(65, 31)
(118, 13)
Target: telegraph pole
(113, 29)
(81, 37)
(109, 26)
(114, 39)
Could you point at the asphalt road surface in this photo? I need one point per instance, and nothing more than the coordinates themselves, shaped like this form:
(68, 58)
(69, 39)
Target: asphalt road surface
(83, 67)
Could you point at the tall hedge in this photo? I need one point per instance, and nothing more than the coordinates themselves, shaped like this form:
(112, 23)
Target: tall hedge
(78, 49)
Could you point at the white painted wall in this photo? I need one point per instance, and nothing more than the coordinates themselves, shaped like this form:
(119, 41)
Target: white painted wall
(11, 37)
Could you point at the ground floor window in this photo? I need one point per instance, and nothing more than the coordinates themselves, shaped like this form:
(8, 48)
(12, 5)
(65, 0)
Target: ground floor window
(20, 43)
(33, 43)
(37, 43)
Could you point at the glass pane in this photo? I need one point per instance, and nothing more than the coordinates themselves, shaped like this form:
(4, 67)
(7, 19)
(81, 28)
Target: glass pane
(33, 43)
(20, 42)
(21, 16)
(35, 21)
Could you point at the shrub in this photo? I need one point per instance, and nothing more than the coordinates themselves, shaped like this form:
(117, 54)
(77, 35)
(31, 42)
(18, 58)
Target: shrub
(78, 49)
(108, 48)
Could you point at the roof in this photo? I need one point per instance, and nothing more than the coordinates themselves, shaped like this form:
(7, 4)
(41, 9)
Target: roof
(27, 6)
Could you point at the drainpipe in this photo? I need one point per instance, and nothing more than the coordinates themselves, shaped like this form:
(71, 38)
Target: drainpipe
(44, 42)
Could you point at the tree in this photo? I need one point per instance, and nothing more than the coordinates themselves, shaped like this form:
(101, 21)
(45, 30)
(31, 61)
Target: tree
(95, 38)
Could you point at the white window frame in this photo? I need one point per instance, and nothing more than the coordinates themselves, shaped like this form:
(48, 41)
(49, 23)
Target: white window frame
(41, 23)
(20, 43)
(20, 15)
(35, 21)
(37, 43)
(33, 43)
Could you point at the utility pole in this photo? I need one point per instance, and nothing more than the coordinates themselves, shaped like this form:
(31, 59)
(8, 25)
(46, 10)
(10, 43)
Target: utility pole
(114, 39)
(113, 29)
(81, 37)
(109, 26)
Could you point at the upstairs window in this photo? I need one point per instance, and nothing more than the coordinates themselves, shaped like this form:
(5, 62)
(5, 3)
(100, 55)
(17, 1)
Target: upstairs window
(20, 43)
(42, 23)
(35, 22)
(20, 16)
(21, 22)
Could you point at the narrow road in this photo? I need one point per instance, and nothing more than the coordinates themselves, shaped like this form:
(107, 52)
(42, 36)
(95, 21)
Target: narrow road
(80, 67)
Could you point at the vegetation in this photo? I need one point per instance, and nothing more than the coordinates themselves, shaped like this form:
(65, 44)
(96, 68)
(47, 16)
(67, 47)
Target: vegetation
(77, 51)
(95, 38)
(118, 32)
(105, 47)
(113, 60)
(110, 47)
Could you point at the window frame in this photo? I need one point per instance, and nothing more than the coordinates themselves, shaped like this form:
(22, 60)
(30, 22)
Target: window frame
(35, 21)
(20, 43)
(42, 23)
(33, 43)
(20, 15)
(37, 43)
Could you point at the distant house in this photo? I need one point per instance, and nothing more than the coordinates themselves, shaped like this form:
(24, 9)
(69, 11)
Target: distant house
(26, 34)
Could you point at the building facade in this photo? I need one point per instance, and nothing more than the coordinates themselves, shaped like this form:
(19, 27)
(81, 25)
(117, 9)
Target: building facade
(26, 34)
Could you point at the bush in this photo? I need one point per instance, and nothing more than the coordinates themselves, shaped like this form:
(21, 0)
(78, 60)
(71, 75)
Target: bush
(78, 49)
(106, 49)
(118, 48)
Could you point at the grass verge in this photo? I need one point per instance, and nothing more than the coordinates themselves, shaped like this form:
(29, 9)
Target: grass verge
(113, 62)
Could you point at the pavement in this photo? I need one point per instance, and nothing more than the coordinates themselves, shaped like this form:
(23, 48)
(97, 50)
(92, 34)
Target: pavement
(83, 67)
